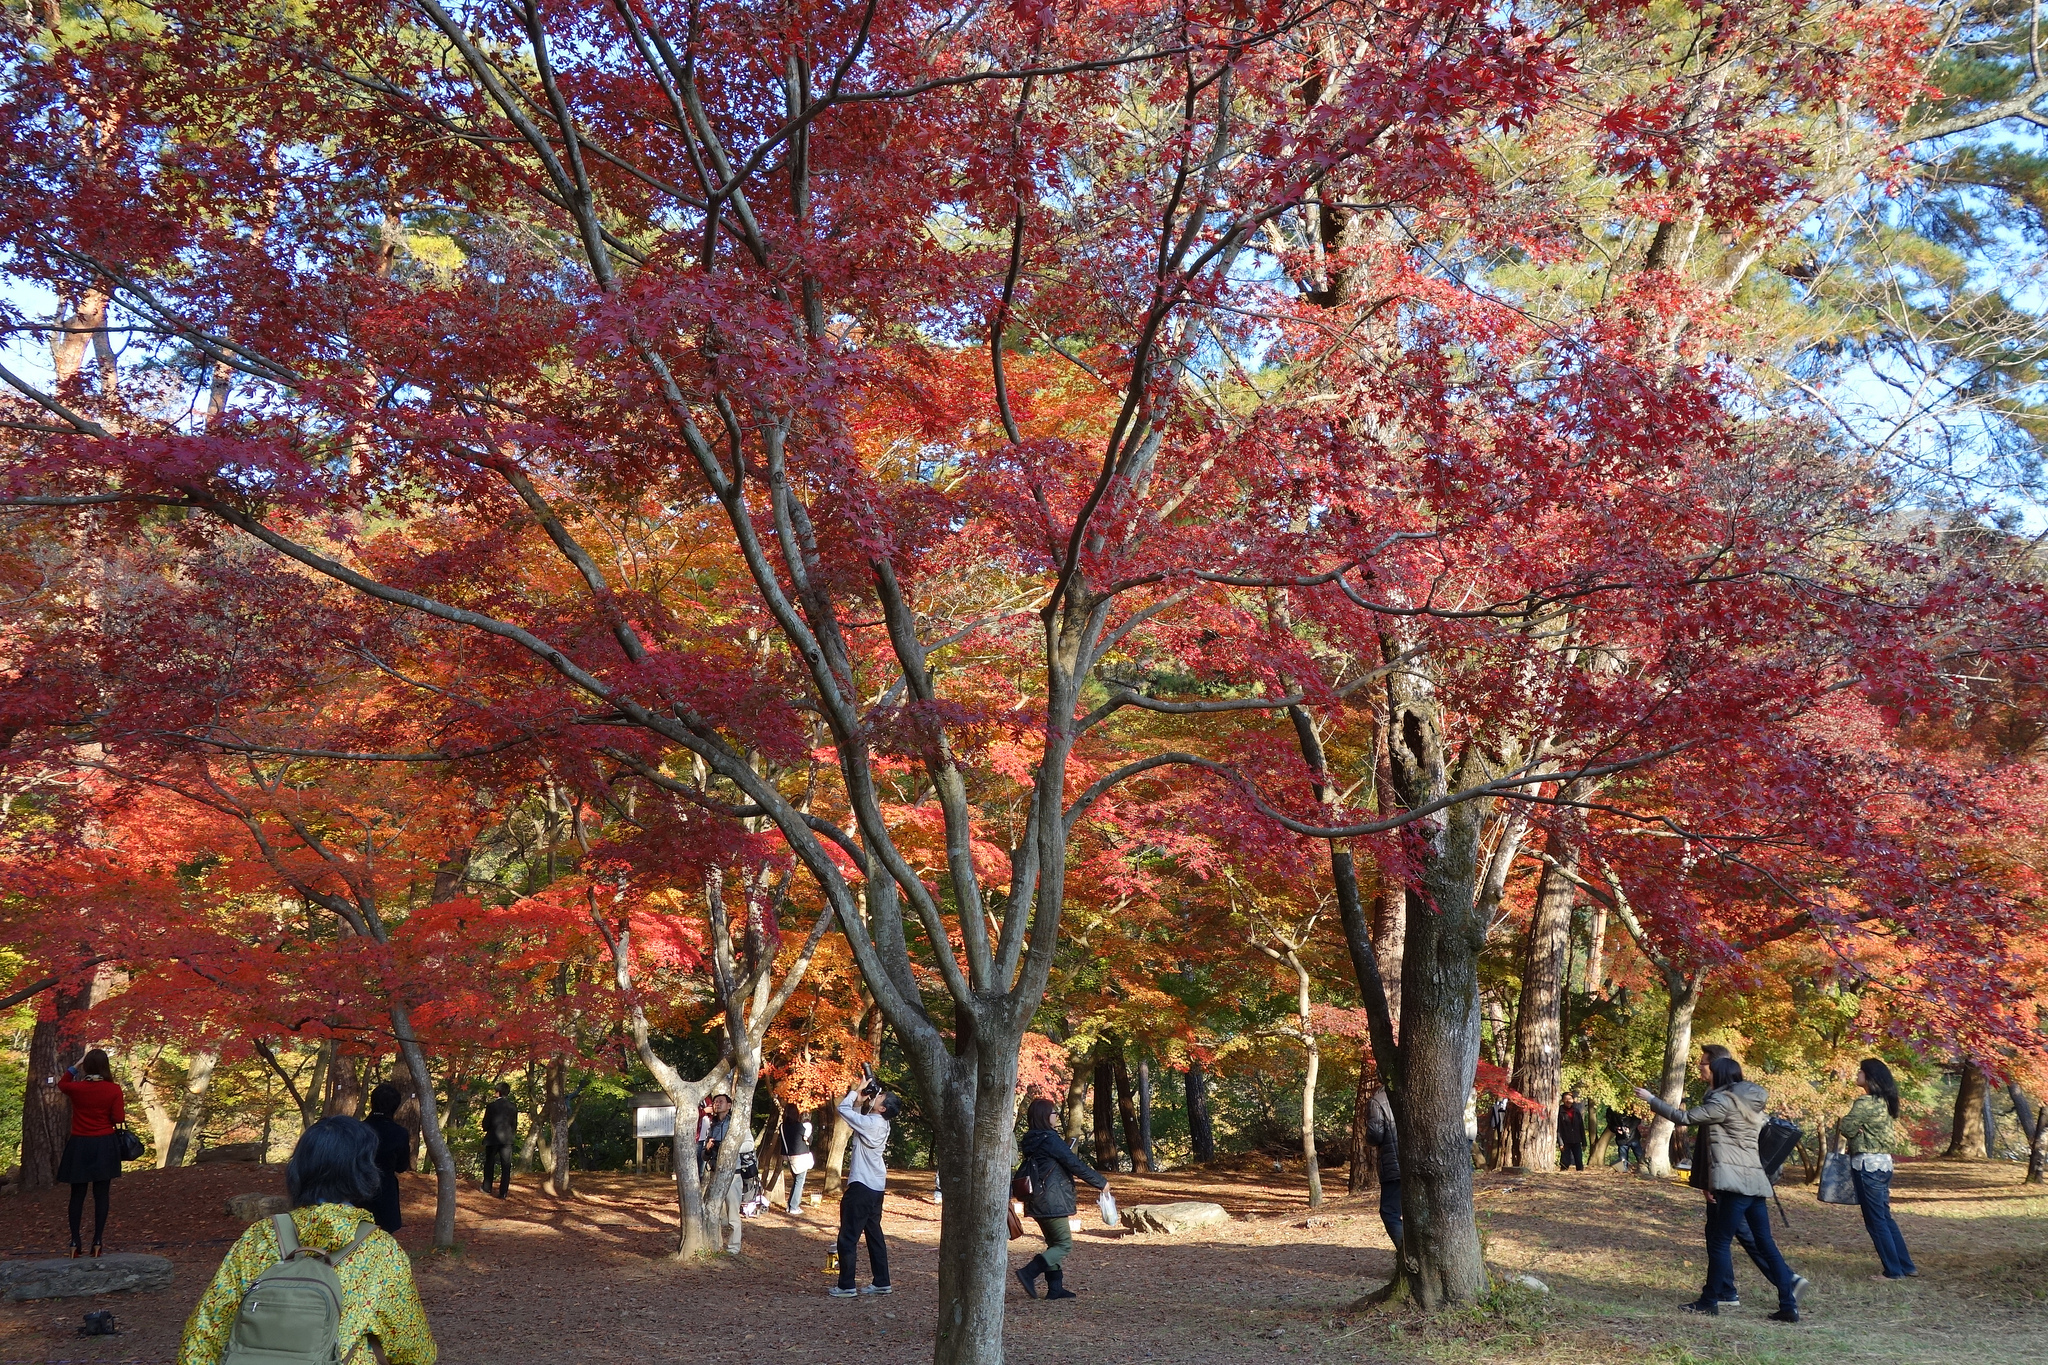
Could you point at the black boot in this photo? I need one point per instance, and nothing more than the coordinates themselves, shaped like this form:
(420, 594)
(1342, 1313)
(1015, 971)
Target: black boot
(1056, 1284)
(1028, 1273)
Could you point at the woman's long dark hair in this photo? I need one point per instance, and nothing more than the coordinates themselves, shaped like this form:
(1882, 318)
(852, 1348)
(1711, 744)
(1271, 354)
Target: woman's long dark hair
(1039, 1115)
(1724, 1070)
(334, 1163)
(94, 1066)
(1880, 1075)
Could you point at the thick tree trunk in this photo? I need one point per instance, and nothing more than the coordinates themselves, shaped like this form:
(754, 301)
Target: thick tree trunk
(1596, 949)
(1683, 998)
(1105, 1114)
(1133, 1142)
(1364, 1172)
(1077, 1107)
(431, 1130)
(2037, 1143)
(45, 1113)
(976, 1149)
(155, 1112)
(835, 1154)
(344, 1088)
(191, 1106)
(557, 1117)
(1201, 1136)
(1968, 1136)
(1539, 1037)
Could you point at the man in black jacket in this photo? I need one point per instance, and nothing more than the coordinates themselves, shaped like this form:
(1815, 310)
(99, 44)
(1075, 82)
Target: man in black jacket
(1571, 1134)
(1381, 1133)
(501, 1135)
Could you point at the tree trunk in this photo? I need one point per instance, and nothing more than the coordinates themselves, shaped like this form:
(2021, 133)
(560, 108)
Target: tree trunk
(430, 1125)
(1308, 1125)
(1145, 1112)
(835, 1154)
(1683, 999)
(1539, 1037)
(1129, 1114)
(1077, 1107)
(344, 1088)
(155, 1111)
(1201, 1136)
(1968, 1138)
(2037, 1147)
(1596, 949)
(1105, 1113)
(1364, 1171)
(191, 1106)
(45, 1113)
(557, 1118)
(971, 1104)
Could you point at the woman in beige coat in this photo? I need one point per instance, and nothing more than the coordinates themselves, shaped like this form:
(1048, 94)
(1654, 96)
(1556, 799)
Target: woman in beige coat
(1730, 1117)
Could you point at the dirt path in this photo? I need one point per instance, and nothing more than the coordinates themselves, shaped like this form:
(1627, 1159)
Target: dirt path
(545, 1282)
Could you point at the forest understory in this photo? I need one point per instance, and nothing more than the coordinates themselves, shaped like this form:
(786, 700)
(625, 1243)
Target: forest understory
(539, 1281)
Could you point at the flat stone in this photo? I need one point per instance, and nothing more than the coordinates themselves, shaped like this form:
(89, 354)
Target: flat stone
(1182, 1216)
(68, 1279)
(250, 1207)
(1529, 1282)
(232, 1151)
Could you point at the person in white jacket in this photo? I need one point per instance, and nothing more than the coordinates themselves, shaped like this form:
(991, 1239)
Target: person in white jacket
(867, 1112)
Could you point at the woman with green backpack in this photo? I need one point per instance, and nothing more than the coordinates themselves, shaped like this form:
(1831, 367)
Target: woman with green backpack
(310, 1285)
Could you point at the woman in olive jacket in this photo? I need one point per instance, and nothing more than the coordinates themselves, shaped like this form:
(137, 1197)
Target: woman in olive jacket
(1730, 1118)
(1867, 1128)
(1052, 1167)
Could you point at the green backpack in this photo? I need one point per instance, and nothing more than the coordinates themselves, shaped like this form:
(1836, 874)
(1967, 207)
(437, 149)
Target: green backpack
(292, 1312)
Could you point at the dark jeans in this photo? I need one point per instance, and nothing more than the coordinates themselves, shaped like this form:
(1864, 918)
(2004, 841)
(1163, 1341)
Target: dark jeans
(1390, 1210)
(100, 1193)
(1874, 1196)
(1724, 1291)
(1573, 1159)
(503, 1157)
(860, 1211)
(1727, 1217)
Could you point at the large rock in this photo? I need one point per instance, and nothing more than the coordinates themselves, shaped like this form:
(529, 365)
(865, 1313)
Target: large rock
(250, 1207)
(1181, 1217)
(68, 1279)
(232, 1151)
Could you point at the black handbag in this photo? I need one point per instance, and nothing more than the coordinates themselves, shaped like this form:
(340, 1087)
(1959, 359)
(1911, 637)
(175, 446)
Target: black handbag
(131, 1145)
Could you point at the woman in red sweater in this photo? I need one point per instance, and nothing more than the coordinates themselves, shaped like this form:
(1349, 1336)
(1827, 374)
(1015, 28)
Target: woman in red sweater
(92, 1154)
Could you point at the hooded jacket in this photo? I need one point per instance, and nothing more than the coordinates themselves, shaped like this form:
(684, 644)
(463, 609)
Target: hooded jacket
(1052, 1166)
(1730, 1119)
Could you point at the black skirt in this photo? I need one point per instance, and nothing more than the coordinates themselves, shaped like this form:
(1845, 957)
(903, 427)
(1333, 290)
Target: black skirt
(87, 1159)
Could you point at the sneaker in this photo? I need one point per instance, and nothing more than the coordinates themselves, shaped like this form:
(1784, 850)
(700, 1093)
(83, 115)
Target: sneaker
(837, 1293)
(1727, 1303)
(1706, 1307)
(867, 1289)
(1785, 1315)
(1800, 1284)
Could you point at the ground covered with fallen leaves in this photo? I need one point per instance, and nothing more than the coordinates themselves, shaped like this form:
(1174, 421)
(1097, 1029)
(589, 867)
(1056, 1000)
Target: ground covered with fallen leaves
(545, 1281)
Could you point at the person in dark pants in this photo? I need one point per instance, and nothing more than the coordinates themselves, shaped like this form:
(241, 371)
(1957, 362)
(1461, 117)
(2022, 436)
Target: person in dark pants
(1867, 1128)
(867, 1112)
(1700, 1178)
(92, 1154)
(1738, 1191)
(1571, 1134)
(394, 1154)
(1386, 1140)
(1052, 1169)
(501, 1135)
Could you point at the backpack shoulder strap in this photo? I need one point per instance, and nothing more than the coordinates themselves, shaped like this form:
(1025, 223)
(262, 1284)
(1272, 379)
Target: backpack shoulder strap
(287, 1236)
(363, 1231)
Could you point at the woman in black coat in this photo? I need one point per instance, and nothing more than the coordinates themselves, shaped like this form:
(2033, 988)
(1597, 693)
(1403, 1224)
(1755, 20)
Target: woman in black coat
(394, 1154)
(1052, 1168)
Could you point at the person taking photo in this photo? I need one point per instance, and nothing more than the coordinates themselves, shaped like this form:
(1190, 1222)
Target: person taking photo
(867, 1113)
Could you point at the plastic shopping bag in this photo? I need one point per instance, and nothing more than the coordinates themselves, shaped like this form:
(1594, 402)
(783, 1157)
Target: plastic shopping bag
(1107, 1203)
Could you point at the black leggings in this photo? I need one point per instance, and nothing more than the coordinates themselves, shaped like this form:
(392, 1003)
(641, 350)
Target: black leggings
(99, 1209)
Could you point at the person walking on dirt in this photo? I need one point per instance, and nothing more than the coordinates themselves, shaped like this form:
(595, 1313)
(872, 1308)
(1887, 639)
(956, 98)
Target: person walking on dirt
(794, 1136)
(1867, 1128)
(1386, 1140)
(1052, 1168)
(1738, 1191)
(1571, 1134)
(867, 1113)
(394, 1154)
(501, 1135)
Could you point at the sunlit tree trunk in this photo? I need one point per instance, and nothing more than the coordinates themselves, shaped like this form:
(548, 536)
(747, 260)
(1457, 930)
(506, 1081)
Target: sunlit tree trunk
(191, 1106)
